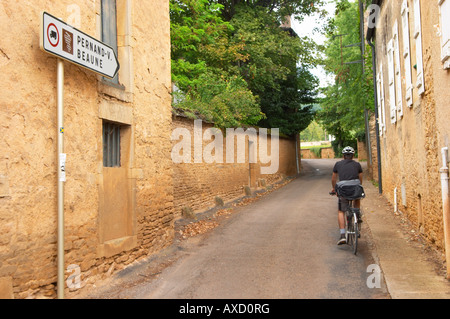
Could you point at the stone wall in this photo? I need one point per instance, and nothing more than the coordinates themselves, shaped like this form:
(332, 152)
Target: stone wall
(197, 185)
(28, 180)
(410, 147)
(326, 152)
(362, 151)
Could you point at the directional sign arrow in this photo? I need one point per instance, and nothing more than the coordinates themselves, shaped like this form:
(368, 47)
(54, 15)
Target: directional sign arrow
(68, 43)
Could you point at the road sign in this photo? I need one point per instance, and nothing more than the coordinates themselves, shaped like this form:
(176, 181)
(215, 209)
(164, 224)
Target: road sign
(68, 43)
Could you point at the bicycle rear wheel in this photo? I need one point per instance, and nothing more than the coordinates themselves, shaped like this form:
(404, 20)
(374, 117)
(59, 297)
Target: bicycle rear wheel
(349, 230)
(355, 233)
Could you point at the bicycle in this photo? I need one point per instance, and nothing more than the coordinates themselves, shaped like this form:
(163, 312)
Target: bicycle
(352, 223)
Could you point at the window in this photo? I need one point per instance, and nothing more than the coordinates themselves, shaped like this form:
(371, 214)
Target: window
(109, 29)
(418, 36)
(444, 9)
(407, 54)
(111, 144)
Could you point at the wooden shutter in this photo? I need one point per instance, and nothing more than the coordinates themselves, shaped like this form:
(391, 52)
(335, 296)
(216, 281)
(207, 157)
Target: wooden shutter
(380, 122)
(380, 93)
(391, 79)
(407, 54)
(383, 110)
(418, 37)
(397, 75)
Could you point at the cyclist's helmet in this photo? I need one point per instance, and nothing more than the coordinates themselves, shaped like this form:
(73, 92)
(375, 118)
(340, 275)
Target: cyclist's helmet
(348, 150)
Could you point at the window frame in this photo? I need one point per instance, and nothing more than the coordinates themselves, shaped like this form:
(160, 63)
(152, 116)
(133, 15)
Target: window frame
(109, 33)
(111, 144)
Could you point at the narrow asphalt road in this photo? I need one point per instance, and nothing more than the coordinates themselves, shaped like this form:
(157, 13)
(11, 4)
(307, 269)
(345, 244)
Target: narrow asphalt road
(282, 246)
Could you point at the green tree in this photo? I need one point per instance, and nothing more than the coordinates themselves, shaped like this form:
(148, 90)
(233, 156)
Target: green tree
(285, 89)
(241, 68)
(313, 133)
(342, 108)
(200, 49)
(224, 101)
(281, 8)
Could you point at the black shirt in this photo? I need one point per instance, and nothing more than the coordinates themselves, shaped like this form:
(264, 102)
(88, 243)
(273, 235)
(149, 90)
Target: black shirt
(347, 169)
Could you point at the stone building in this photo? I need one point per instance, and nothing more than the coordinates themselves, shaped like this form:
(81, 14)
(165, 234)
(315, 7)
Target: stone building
(411, 42)
(118, 193)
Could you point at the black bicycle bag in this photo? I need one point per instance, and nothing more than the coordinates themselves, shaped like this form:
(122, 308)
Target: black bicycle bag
(350, 190)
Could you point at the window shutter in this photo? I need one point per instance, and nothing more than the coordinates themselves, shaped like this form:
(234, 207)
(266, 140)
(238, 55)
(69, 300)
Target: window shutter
(444, 9)
(398, 75)
(380, 122)
(391, 79)
(407, 54)
(418, 36)
(383, 110)
(380, 92)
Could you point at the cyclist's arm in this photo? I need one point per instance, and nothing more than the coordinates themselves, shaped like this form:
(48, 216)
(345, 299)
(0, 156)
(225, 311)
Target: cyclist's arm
(334, 178)
(360, 174)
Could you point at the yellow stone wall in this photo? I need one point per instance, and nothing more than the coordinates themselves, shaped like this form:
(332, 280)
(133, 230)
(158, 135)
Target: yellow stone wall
(28, 140)
(411, 148)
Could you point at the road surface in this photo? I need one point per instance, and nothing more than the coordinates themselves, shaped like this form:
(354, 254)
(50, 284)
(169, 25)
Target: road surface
(282, 246)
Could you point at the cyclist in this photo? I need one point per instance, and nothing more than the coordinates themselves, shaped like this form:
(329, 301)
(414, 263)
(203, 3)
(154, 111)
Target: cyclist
(346, 169)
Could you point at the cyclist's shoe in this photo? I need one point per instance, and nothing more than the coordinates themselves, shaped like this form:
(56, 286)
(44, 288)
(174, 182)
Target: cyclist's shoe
(342, 240)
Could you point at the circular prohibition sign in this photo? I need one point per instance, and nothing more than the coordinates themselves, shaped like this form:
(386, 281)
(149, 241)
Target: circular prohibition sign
(51, 34)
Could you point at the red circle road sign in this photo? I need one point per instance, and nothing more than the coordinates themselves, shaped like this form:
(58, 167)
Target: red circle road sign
(53, 34)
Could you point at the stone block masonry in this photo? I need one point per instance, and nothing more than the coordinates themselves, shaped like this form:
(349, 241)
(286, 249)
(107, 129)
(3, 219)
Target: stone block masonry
(197, 185)
(413, 111)
(113, 215)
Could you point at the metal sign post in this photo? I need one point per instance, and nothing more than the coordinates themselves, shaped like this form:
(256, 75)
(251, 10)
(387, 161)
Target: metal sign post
(68, 43)
(61, 160)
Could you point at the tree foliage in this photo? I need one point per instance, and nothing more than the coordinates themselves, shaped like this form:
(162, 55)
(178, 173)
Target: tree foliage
(200, 49)
(342, 108)
(313, 133)
(234, 65)
(281, 8)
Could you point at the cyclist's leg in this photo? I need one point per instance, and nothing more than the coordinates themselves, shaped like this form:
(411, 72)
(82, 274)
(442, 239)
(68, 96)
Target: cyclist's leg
(357, 204)
(343, 205)
(341, 219)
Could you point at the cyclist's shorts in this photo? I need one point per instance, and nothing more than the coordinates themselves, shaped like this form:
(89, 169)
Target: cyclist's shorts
(343, 204)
